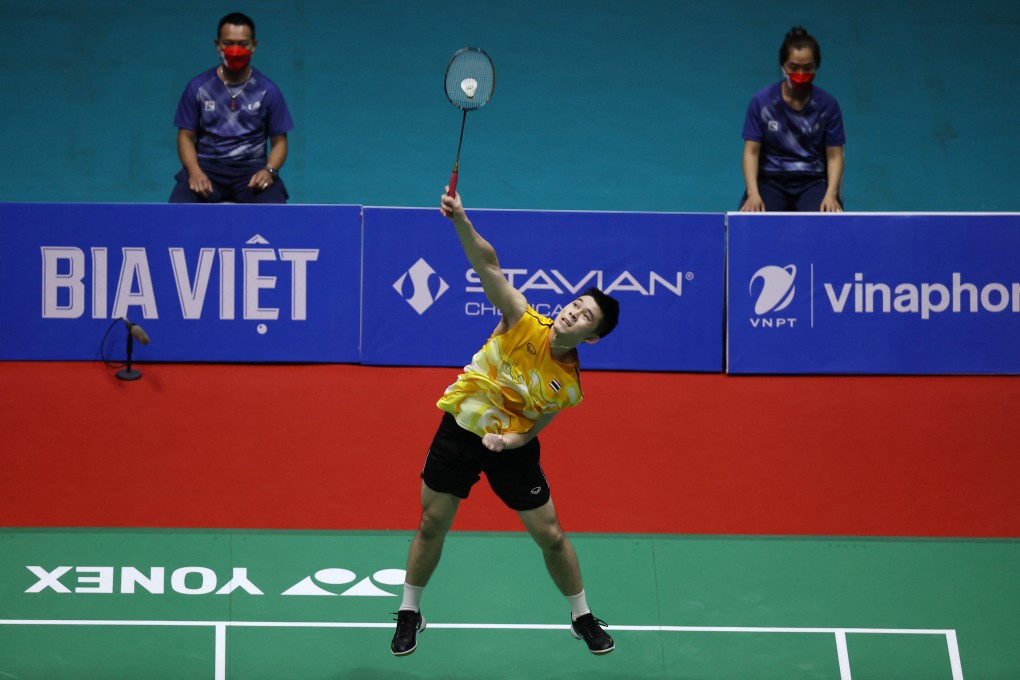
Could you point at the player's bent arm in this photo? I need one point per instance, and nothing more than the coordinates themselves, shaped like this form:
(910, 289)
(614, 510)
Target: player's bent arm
(515, 440)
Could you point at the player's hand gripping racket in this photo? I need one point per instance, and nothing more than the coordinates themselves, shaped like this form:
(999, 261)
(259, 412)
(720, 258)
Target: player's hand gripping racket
(470, 80)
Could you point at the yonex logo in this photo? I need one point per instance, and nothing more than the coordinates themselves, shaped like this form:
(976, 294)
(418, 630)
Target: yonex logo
(335, 577)
(196, 580)
(777, 288)
(420, 275)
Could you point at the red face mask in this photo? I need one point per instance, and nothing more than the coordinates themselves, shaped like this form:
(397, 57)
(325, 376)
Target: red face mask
(798, 80)
(235, 57)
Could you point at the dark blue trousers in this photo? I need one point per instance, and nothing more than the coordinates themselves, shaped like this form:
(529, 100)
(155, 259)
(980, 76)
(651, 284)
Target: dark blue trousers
(791, 193)
(230, 183)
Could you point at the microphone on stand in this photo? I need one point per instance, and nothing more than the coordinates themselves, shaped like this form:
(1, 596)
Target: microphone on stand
(135, 332)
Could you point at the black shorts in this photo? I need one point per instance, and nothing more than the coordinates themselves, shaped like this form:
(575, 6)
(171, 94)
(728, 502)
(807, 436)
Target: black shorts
(457, 458)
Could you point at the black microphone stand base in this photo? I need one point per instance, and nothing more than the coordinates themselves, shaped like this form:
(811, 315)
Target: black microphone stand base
(128, 373)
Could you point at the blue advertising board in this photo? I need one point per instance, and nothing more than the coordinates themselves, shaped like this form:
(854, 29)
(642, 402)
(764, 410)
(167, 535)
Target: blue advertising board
(424, 306)
(206, 282)
(873, 293)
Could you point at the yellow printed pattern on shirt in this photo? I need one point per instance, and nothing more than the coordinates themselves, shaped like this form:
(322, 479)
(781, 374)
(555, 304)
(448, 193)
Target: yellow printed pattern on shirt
(512, 380)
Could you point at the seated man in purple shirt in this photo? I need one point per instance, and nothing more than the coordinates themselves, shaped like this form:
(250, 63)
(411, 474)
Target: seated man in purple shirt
(224, 119)
(793, 137)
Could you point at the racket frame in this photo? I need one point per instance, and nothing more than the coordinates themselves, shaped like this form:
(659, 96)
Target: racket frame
(452, 190)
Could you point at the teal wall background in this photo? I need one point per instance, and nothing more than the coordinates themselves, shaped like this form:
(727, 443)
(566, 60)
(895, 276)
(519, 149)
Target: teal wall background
(599, 105)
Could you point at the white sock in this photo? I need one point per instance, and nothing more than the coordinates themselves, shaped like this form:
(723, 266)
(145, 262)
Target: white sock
(412, 598)
(578, 605)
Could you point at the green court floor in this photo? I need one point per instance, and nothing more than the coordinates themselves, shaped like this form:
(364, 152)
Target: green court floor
(111, 604)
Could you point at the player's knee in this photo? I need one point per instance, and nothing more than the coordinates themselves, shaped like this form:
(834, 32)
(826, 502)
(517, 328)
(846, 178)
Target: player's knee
(550, 537)
(433, 526)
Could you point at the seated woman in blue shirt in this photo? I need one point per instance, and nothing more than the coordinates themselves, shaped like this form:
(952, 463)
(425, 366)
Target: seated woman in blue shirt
(794, 138)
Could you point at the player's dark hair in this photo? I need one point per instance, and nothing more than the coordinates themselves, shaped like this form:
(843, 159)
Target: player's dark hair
(236, 19)
(797, 39)
(610, 311)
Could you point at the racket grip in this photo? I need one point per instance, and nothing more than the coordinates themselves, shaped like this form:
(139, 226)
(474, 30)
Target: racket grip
(453, 185)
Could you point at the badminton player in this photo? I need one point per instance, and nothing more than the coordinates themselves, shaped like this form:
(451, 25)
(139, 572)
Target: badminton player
(524, 375)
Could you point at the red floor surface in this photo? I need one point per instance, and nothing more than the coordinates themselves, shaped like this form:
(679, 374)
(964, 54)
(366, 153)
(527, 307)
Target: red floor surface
(340, 447)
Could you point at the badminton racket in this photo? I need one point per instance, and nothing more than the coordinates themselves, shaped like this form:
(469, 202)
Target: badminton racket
(469, 82)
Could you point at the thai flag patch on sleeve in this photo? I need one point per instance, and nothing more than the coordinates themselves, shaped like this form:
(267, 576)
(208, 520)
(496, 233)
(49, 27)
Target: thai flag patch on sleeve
(555, 385)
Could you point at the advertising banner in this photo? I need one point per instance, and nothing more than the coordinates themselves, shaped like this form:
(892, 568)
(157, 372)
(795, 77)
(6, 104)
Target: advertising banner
(424, 305)
(205, 282)
(873, 293)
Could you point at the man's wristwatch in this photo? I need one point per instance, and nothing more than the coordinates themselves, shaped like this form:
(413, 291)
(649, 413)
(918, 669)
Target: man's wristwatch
(271, 171)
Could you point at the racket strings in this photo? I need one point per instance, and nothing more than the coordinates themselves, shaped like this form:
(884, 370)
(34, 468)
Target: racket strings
(470, 79)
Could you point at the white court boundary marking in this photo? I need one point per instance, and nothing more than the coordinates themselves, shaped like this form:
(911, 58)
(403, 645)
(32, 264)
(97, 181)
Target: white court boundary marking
(220, 628)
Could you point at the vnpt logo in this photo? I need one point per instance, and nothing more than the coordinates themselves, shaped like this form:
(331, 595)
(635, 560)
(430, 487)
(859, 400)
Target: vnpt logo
(420, 275)
(775, 293)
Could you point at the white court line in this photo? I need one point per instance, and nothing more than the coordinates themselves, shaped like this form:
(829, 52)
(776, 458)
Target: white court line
(221, 652)
(954, 655)
(481, 626)
(844, 656)
(221, 633)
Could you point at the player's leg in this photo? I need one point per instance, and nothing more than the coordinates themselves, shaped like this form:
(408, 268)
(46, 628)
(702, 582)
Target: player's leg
(562, 564)
(437, 513)
(450, 471)
(557, 550)
(519, 481)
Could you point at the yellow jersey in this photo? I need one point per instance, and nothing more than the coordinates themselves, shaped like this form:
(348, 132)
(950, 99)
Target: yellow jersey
(512, 380)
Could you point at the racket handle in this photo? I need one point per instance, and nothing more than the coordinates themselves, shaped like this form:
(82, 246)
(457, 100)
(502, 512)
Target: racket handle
(453, 185)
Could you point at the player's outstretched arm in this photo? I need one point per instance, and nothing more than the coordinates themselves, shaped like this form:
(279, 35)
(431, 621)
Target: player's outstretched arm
(482, 257)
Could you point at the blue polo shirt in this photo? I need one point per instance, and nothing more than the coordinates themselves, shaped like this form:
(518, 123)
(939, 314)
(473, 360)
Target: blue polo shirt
(793, 141)
(234, 134)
